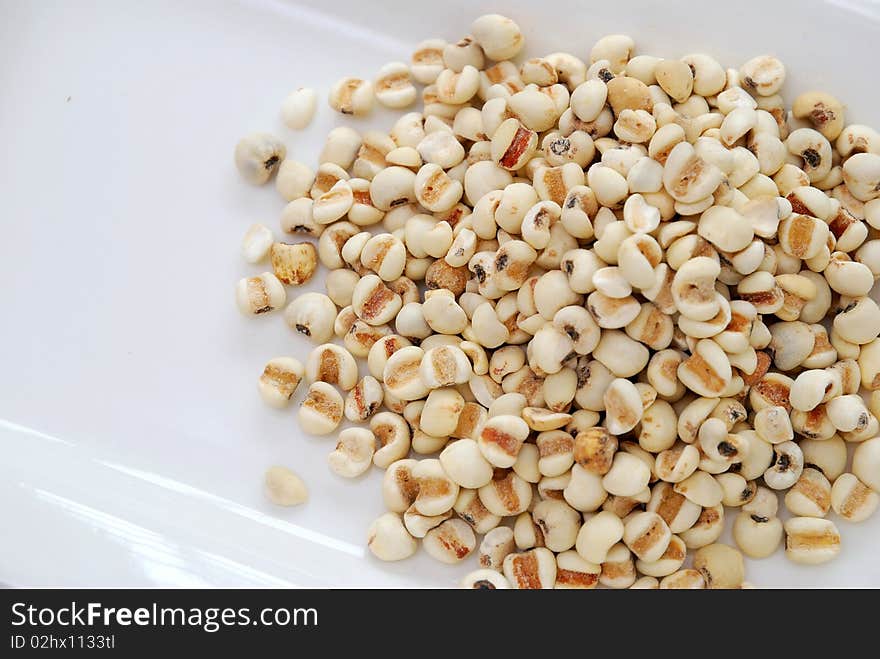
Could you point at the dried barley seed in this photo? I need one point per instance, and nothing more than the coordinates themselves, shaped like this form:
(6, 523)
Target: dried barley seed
(284, 488)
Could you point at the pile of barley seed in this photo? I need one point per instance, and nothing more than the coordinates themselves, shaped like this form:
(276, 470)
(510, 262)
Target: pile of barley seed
(617, 299)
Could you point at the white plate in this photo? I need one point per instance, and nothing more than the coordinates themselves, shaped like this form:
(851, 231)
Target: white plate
(132, 437)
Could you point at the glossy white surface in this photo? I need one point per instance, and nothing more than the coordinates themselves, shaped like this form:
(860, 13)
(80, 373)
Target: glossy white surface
(133, 439)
